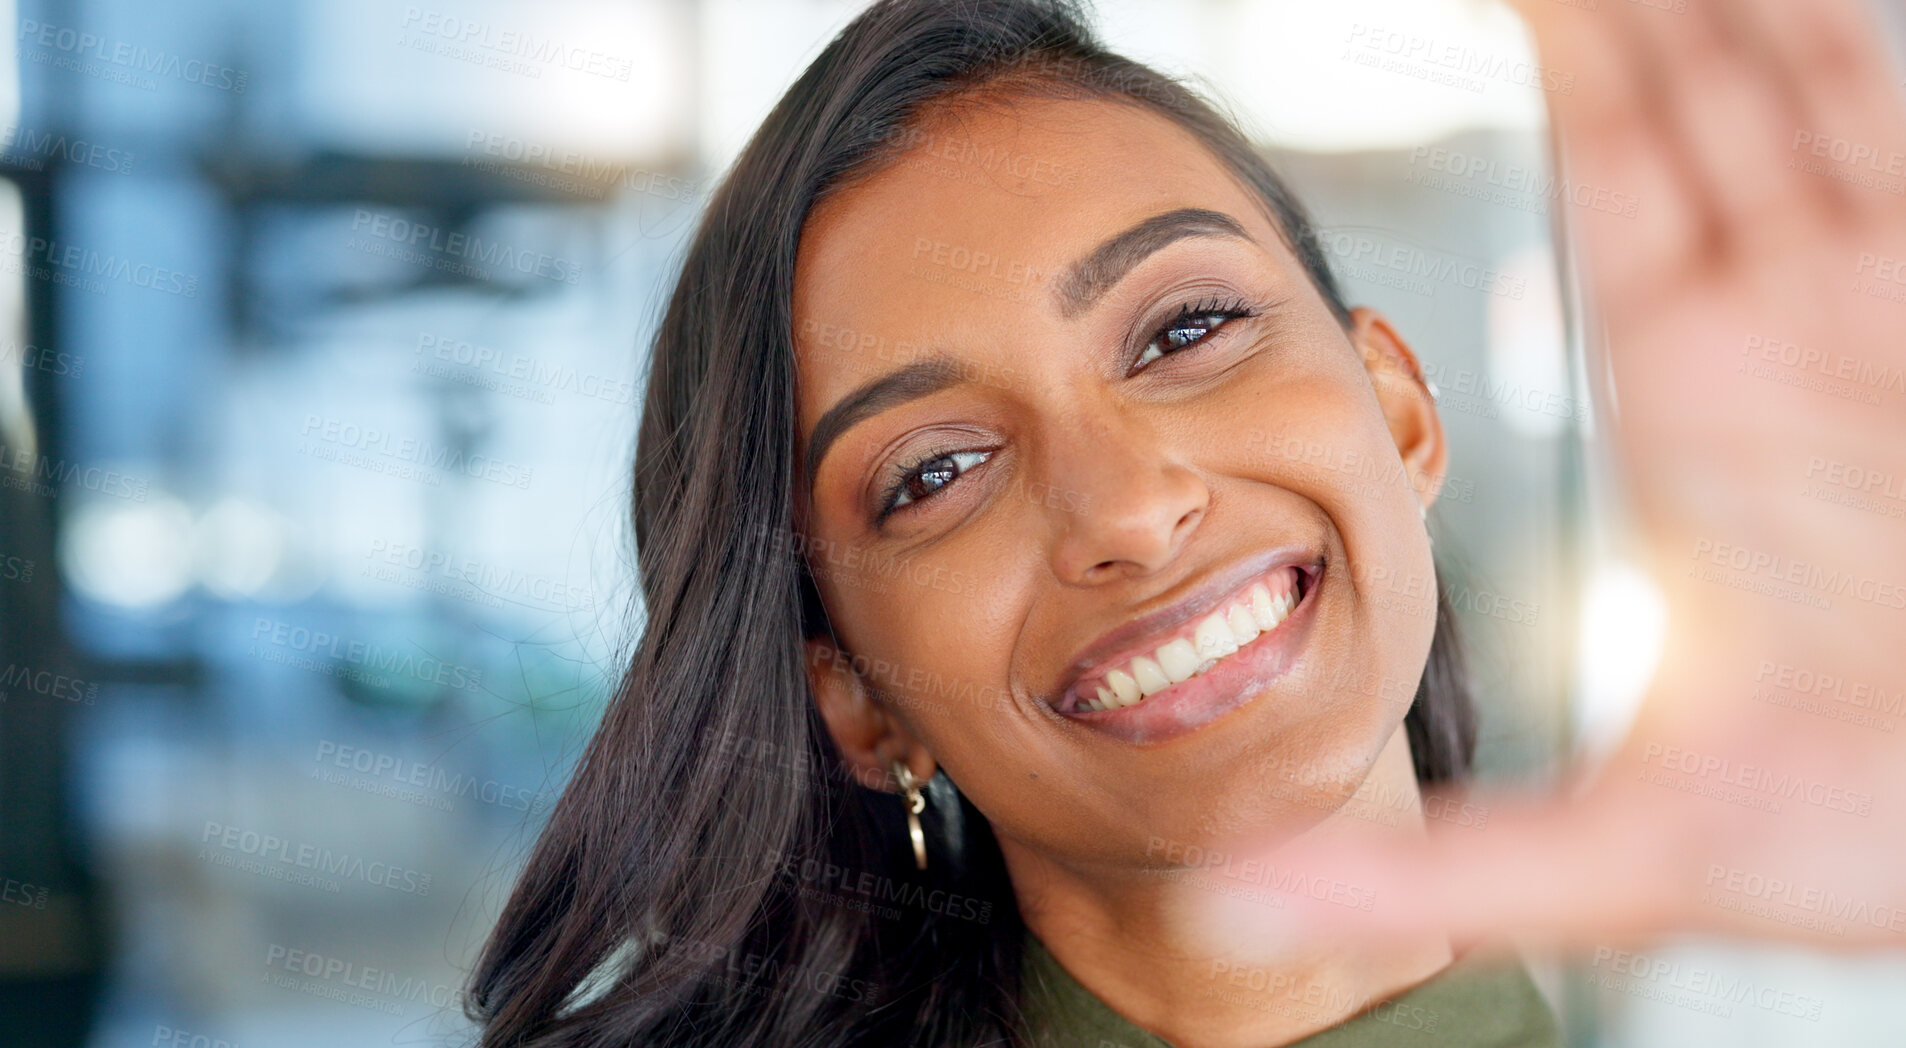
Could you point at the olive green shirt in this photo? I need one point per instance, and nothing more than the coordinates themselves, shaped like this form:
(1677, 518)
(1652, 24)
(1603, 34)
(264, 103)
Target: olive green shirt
(1476, 1002)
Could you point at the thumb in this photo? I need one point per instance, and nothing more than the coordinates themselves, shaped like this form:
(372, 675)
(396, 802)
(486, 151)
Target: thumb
(1557, 873)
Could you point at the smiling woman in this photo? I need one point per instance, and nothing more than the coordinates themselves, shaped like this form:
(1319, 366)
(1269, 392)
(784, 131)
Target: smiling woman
(959, 467)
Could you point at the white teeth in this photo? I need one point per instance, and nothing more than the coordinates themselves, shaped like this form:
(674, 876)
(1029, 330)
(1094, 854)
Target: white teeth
(1149, 675)
(1263, 608)
(1213, 638)
(1243, 627)
(1218, 635)
(1179, 660)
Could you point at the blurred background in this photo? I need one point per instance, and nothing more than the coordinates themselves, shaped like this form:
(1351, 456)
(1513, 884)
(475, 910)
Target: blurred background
(321, 332)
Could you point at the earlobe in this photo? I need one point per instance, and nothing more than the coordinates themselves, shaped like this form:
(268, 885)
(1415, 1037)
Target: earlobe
(868, 735)
(1404, 394)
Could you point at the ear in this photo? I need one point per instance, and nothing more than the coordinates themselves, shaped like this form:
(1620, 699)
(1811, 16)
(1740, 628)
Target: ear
(867, 733)
(1405, 397)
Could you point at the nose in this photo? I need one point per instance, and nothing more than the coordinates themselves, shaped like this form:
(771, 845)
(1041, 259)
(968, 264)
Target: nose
(1130, 506)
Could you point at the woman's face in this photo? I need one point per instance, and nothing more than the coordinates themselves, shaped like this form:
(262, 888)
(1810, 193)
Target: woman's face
(1081, 433)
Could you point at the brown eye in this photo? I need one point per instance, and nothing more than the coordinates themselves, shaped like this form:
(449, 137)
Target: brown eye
(930, 478)
(1188, 329)
(927, 477)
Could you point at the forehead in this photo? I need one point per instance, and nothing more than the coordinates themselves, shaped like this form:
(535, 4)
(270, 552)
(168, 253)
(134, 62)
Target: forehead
(968, 229)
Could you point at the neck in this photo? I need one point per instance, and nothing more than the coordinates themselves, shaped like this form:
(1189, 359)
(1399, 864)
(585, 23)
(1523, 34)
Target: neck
(1202, 960)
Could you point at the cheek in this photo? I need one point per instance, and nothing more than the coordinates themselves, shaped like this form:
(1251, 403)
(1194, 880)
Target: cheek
(937, 634)
(1390, 603)
(1321, 435)
(932, 632)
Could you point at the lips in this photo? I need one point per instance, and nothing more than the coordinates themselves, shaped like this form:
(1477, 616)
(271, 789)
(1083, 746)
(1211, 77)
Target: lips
(1197, 648)
(1241, 619)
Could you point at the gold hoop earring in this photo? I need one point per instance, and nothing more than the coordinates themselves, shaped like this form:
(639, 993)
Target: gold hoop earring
(916, 803)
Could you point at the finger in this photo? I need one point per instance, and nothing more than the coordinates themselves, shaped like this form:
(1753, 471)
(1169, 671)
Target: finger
(1625, 203)
(1585, 875)
(1852, 131)
(1731, 108)
(1555, 875)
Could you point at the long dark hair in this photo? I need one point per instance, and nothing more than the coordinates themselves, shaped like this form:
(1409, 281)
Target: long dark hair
(709, 876)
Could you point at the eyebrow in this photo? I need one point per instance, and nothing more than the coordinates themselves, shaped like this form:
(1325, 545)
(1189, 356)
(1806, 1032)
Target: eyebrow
(1092, 276)
(1084, 284)
(918, 379)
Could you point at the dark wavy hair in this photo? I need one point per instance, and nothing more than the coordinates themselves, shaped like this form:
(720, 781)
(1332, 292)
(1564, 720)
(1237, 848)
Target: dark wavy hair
(710, 876)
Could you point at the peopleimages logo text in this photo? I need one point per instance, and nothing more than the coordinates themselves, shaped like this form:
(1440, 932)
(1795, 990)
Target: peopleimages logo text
(396, 663)
(423, 454)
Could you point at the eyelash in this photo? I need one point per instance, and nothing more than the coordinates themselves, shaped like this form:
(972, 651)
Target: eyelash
(890, 501)
(1214, 312)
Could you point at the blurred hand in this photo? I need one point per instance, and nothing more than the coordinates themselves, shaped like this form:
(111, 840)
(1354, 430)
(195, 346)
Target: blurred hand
(1749, 317)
